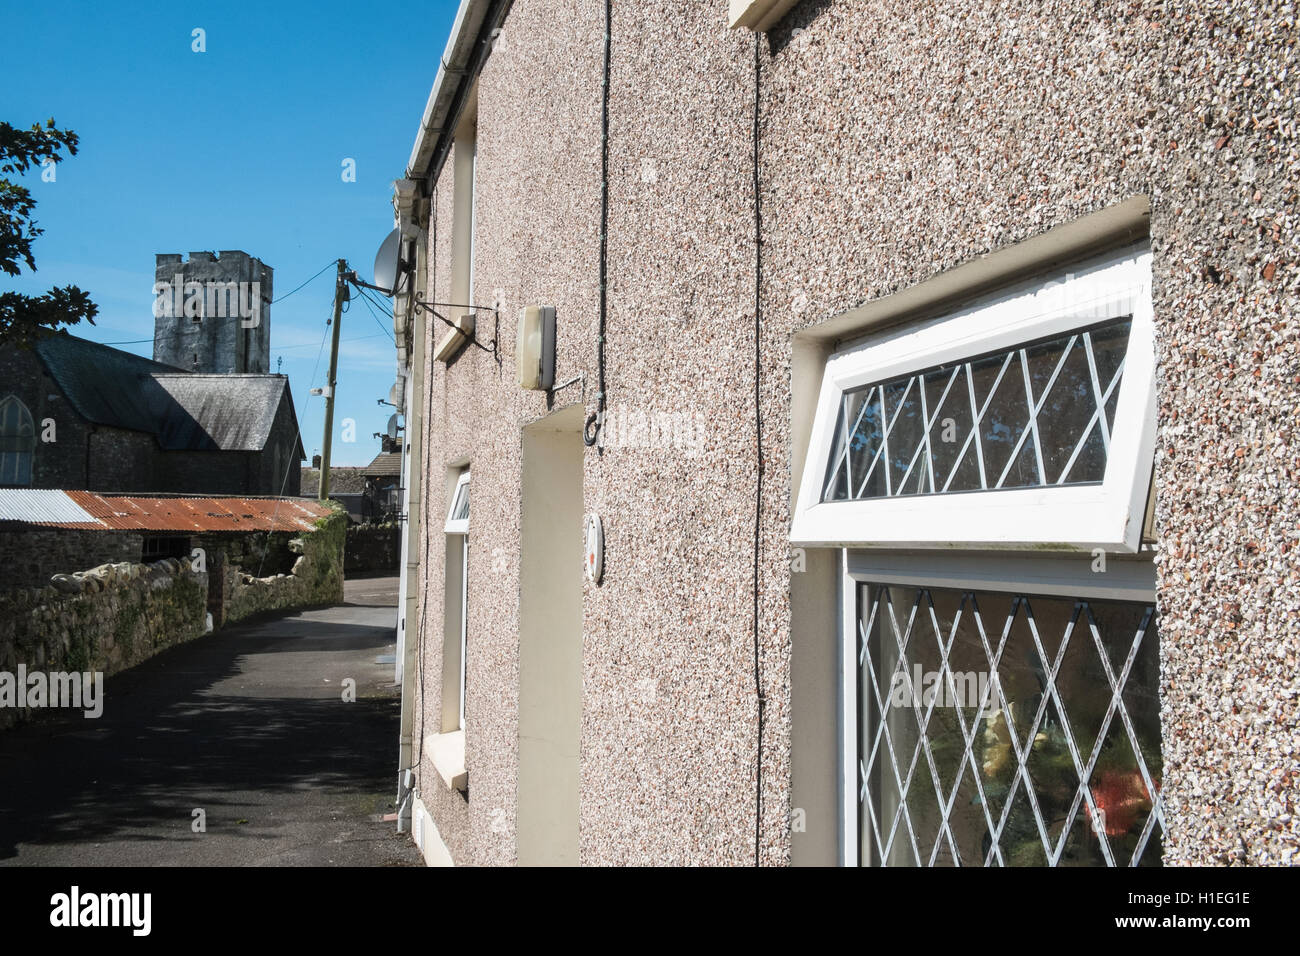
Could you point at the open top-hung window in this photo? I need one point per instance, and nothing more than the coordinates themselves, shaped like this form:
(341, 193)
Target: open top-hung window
(1023, 420)
(458, 512)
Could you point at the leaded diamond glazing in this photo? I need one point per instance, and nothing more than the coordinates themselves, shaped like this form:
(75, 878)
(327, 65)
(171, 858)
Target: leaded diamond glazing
(1035, 415)
(1007, 730)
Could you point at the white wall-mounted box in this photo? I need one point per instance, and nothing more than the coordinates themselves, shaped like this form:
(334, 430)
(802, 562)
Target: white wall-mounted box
(535, 347)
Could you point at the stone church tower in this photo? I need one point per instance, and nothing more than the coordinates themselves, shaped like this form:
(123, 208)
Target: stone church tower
(212, 313)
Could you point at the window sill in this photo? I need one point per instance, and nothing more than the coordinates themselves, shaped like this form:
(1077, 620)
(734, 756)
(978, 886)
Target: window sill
(447, 751)
(758, 15)
(455, 339)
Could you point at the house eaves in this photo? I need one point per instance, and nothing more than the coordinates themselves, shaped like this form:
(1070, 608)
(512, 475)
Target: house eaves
(467, 49)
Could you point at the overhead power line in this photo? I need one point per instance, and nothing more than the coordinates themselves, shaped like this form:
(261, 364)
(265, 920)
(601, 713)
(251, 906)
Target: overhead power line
(305, 284)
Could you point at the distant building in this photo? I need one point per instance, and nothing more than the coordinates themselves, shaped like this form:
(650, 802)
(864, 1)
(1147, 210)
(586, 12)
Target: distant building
(46, 532)
(76, 414)
(369, 492)
(203, 417)
(384, 481)
(347, 487)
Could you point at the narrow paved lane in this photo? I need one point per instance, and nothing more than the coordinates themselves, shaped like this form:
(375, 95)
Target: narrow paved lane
(248, 725)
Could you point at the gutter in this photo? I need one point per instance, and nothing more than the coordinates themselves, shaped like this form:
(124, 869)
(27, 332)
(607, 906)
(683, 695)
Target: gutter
(472, 32)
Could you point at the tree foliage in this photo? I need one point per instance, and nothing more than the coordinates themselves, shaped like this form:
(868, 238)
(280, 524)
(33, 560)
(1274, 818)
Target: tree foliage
(25, 318)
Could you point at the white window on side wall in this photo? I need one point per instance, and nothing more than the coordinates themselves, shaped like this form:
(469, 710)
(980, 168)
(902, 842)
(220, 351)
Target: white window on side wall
(446, 748)
(1001, 713)
(458, 511)
(1024, 420)
(985, 475)
(457, 529)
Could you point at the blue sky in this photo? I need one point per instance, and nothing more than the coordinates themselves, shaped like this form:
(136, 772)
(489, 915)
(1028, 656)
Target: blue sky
(238, 147)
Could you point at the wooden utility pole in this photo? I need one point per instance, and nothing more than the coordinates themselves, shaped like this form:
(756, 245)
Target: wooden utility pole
(340, 289)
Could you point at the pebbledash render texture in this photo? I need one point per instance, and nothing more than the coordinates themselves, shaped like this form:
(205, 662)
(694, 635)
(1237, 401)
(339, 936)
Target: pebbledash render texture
(893, 143)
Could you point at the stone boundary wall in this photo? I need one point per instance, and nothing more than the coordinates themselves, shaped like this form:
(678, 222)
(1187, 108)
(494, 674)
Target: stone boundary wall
(106, 619)
(372, 548)
(30, 556)
(315, 580)
(116, 615)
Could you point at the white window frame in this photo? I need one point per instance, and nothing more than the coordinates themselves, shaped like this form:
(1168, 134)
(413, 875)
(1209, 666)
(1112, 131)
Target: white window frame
(464, 619)
(458, 525)
(1130, 580)
(1079, 517)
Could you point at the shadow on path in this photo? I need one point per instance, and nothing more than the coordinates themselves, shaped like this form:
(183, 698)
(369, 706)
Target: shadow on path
(248, 723)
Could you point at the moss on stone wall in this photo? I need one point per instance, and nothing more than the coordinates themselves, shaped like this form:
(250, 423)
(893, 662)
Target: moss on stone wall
(316, 578)
(106, 619)
(373, 548)
(116, 615)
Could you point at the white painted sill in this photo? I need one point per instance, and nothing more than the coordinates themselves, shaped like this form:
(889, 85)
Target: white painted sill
(447, 751)
(455, 339)
(757, 15)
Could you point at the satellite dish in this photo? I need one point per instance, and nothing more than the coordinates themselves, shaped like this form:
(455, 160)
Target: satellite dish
(386, 261)
(392, 428)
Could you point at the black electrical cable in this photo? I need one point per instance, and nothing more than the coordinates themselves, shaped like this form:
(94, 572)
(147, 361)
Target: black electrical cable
(758, 429)
(273, 301)
(332, 262)
(261, 565)
(597, 418)
(374, 304)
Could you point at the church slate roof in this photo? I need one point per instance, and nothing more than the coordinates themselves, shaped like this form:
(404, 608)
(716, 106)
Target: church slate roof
(105, 385)
(220, 412)
(184, 411)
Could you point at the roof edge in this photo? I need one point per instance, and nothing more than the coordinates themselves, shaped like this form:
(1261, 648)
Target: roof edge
(457, 71)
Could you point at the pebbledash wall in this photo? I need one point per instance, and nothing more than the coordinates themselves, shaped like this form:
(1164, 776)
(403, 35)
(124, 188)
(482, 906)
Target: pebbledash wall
(894, 143)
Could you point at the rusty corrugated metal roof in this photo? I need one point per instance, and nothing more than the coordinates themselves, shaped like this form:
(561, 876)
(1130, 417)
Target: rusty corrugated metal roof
(136, 513)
